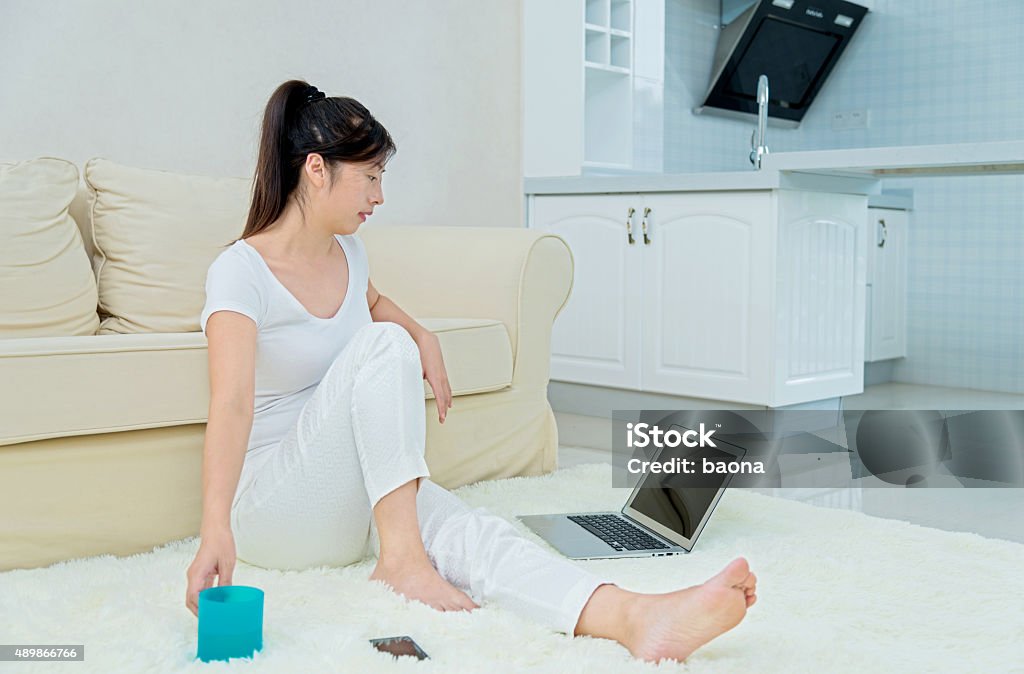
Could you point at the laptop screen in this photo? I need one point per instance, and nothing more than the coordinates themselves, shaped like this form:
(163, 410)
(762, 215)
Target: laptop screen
(678, 506)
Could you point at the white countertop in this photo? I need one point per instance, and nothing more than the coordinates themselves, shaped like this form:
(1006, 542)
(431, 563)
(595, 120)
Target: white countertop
(855, 171)
(912, 160)
(722, 181)
(711, 181)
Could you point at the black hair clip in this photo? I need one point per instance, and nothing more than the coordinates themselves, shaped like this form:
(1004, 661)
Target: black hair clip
(313, 94)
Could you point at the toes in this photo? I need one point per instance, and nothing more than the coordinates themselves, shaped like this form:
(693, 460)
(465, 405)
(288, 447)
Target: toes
(735, 573)
(465, 602)
(749, 583)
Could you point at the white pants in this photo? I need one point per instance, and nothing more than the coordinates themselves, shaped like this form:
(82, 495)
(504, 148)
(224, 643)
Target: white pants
(360, 436)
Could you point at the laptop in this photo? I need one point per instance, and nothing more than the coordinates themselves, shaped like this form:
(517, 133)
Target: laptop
(659, 518)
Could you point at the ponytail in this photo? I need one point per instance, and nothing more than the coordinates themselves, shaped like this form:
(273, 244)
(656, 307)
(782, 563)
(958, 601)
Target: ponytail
(297, 121)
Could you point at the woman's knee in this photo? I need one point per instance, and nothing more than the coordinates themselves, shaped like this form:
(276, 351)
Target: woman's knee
(394, 336)
(377, 342)
(393, 330)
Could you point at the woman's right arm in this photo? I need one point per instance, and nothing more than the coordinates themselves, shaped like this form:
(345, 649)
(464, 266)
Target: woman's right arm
(231, 339)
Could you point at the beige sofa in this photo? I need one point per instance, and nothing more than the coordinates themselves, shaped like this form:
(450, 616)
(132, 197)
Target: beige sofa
(102, 413)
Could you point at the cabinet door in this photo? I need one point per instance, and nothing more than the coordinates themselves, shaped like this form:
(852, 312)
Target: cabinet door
(707, 294)
(596, 337)
(887, 274)
(820, 296)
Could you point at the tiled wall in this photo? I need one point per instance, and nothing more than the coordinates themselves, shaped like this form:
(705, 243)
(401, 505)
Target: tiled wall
(930, 72)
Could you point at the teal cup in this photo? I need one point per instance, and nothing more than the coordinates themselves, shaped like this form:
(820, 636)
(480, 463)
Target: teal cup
(230, 622)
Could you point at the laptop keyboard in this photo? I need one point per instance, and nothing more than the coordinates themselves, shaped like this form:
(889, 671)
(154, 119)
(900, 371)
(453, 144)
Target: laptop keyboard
(617, 532)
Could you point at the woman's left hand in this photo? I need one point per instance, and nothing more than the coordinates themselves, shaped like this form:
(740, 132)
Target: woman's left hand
(434, 372)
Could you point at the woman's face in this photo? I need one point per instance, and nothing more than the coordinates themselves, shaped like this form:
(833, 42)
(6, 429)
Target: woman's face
(355, 193)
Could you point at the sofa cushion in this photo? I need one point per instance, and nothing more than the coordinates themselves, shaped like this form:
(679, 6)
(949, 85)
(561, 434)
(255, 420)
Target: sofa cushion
(46, 283)
(156, 234)
(100, 383)
(477, 354)
(153, 380)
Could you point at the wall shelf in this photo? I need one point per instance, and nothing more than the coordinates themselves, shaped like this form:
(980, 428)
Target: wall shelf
(597, 48)
(597, 12)
(580, 65)
(621, 12)
(589, 65)
(621, 51)
(608, 84)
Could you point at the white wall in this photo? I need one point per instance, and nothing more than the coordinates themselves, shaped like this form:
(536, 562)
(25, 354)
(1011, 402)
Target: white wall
(181, 86)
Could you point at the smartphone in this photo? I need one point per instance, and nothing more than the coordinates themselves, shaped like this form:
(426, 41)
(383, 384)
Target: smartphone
(398, 646)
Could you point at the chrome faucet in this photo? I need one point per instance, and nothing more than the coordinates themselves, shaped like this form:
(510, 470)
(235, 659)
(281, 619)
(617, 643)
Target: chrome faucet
(757, 147)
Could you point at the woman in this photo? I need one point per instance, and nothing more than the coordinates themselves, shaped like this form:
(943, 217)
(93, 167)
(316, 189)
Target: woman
(315, 441)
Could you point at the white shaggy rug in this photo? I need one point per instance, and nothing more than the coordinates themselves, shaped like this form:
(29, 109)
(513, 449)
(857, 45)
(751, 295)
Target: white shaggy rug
(837, 591)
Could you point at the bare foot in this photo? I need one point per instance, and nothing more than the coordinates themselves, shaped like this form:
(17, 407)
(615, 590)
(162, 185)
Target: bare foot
(674, 625)
(422, 582)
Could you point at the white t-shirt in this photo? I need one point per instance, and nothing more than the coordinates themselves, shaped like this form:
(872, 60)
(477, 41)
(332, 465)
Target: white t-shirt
(294, 348)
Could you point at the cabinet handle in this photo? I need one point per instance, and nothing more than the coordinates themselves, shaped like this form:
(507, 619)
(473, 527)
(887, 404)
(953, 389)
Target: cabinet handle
(643, 225)
(884, 233)
(629, 226)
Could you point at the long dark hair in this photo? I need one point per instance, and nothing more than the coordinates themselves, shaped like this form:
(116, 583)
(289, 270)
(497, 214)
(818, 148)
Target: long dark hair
(299, 120)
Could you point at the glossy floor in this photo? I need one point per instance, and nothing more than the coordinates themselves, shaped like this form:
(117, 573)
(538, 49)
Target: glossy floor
(995, 513)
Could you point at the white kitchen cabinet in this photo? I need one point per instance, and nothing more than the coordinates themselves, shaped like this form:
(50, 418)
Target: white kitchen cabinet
(703, 278)
(885, 330)
(749, 296)
(596, 339)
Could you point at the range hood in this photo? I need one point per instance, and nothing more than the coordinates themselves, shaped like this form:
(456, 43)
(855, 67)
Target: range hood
(796, 43)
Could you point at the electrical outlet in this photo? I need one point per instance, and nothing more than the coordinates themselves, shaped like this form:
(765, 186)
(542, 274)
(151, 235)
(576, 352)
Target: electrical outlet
(859, 119)
(851, 119)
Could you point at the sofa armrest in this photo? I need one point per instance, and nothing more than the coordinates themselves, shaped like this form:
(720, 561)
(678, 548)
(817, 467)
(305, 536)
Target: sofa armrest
(519, 276)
